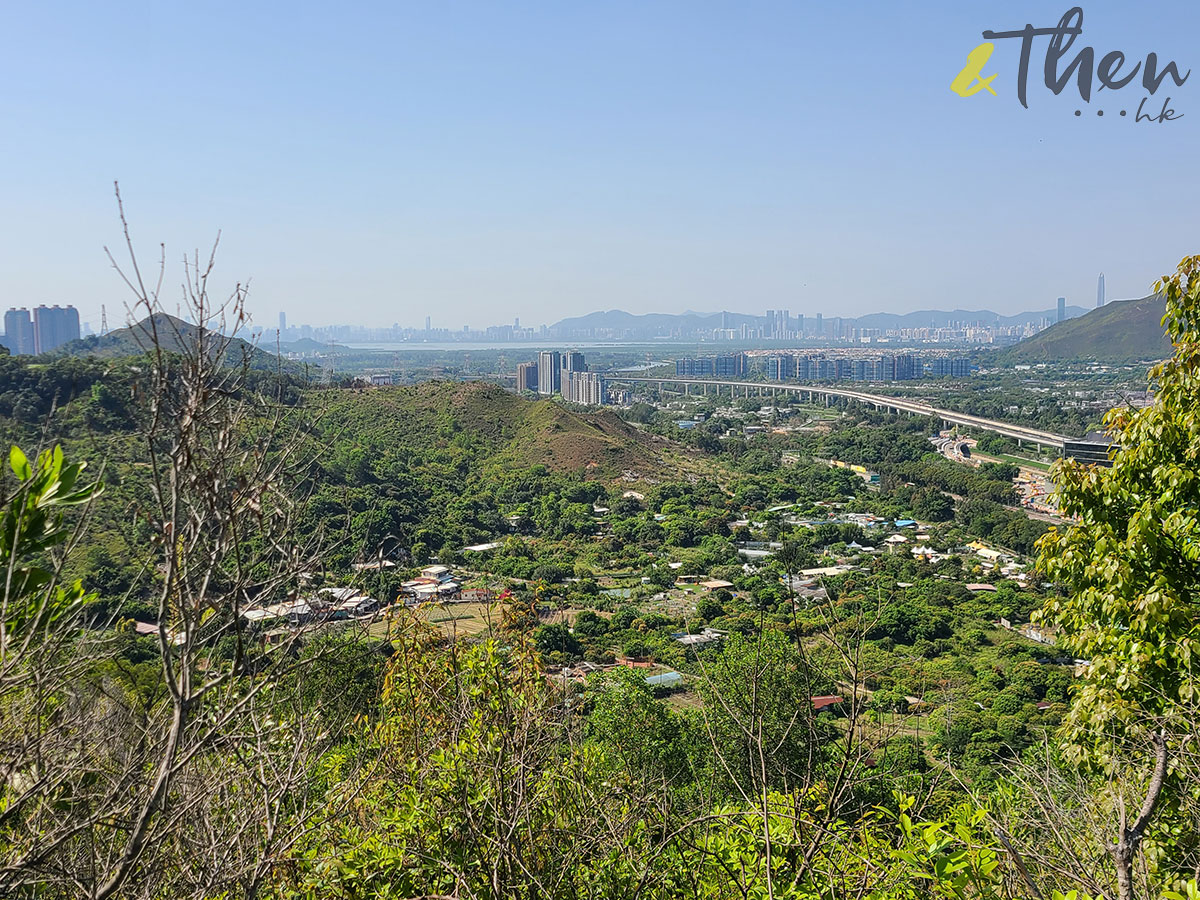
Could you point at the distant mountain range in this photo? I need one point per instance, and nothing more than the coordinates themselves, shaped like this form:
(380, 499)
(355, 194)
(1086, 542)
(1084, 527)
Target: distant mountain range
(1120, 331)
(617, 323)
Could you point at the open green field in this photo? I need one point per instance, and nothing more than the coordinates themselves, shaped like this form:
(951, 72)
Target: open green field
(467, 620)
(462, 619)
(1038, 464)
(1025, 461)
(455, 619)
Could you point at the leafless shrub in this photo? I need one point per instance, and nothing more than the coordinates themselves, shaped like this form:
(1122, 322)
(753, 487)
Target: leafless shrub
(196, 789)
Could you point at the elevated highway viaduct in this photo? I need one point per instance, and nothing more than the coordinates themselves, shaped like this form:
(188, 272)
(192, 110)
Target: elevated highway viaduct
(1016, 432)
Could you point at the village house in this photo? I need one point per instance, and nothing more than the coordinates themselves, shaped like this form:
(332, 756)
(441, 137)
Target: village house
(826, 702)
(434, 583)
(374, 565)
(707, 636)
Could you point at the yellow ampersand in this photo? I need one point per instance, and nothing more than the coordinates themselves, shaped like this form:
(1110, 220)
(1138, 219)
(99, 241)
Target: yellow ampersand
(969, 82)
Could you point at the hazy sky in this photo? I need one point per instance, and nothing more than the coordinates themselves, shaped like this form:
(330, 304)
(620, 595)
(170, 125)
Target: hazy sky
(476, 161)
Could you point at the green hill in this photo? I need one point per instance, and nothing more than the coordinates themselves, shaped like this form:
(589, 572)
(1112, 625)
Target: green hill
(1121, 331)
(173, 334)
(484, 424)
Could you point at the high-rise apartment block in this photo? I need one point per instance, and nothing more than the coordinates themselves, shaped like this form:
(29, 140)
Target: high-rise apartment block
(572, 361)
(694, 368)
(950, 366)
(54, 326)
(48, 328)
(527, 376)
(18, 332)
(906, 366)
(585, 387)
(563, 373)
(820, 366)
(549, 367)
(731, 366)
(781, 367)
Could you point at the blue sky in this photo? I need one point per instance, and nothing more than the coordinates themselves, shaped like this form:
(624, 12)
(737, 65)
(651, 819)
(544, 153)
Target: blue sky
(380, 162)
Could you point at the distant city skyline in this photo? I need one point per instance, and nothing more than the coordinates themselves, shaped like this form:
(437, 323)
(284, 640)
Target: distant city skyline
(774, 327)
(779, 324)
(482, 163)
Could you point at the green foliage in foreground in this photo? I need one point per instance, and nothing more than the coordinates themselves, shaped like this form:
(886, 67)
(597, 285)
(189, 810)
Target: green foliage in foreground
(32, 528)
(477, 782)
(1132, 563)
(1130, 569)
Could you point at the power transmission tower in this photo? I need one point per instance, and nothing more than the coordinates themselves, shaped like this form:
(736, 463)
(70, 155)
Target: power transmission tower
(103, 320)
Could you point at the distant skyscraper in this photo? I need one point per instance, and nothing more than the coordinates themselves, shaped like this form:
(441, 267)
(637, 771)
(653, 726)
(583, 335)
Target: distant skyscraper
(527, 376)
(517, 323)
(1062, 309)
(820, 326)
(428, 324)
(283, 321)
(54, 326)
(572, 361)
(18, 332)
(549, 367)
(584, 387)
(1100, 291)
